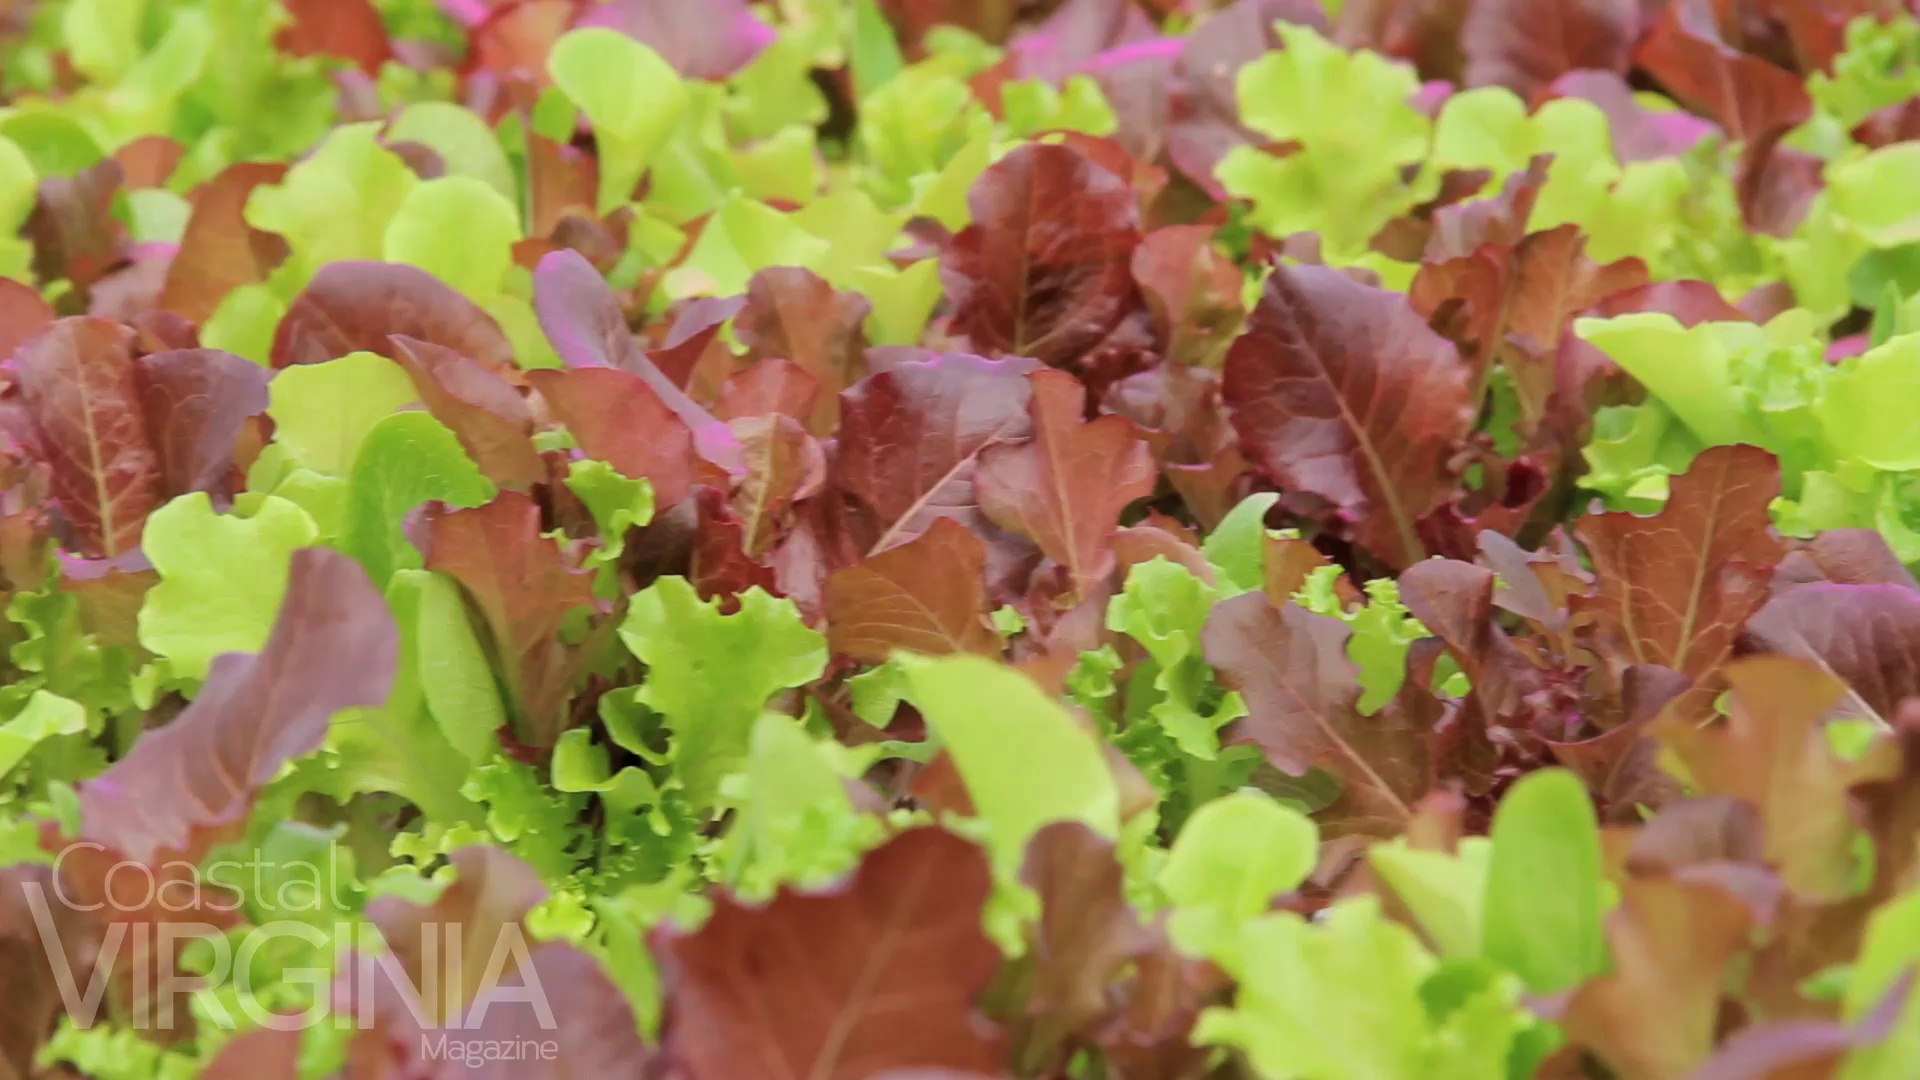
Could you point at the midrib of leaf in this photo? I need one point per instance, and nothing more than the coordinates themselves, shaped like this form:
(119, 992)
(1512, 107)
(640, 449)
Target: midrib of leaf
(1409, 542)
(919, 504)
(1697, 585)
(1345, 747)
(96, 468)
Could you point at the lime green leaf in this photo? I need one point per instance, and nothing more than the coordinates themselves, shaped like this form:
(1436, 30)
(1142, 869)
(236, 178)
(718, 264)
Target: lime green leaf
(19, 184)
(334, 205)
(1026, 761)
(1889, 951)
(1875, 193)
(221, 576)
(45, 715)
(1688, 368)
(406, 459)
(1327, 1002)
(795, 823)
(1233, 856)
(1543, 915)
(245, 322)
(875, 56)
(1443, 891)
(710, 674)
(464, 142)
(1867, 411)
(633, 98)
(458, 229)
(1237, 546)
(1345, 181)
(323, 412)
(1164, 607)
(618, 503)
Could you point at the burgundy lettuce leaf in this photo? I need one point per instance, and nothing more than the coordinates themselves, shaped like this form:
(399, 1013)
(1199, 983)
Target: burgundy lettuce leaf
(1067, 486)
(187, 786)
(1465, 226)
(23, 314)
(1454, 601)
(769, 387)
(1177, 410)
(559, 1001)
(1302, 694)
(1087, 933)
(149, 161)
(523, 587)
(30, 971)
(1676, 587)
(1673, 943)
(717, 560)
(1746, 95)
(1341, 390)
(1868, 636)
(710, 40)
(1514, 304)
(793, 314)
(78, 383)
(197, 402)
(1424, 33)
(1043, 271)
(219, 251)
(480, 406)
(512, 40)
(491, 896)
(991, 19)
(618, 418)
(73, 228)
(350, 30)
(783, 465)
(927, 595)
(1786, 1049)
(1077, 32)
(1777, 185)
(1525, 45)
(584, 323)
(877, 973)
(1889, 125)
(1136, 81)
(1772, 751)
(359, 306)
(1844, 557)
(1192, 290)
(911, 438)
(689, 348)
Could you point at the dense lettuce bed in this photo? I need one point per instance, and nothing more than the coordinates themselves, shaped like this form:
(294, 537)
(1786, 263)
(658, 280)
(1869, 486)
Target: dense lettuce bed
(941, 539)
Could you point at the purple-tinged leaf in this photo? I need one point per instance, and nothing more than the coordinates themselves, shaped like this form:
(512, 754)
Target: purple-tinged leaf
(1043, 271)
(190, 784)
(359, 306)
(1340, 390)
(78, 382)
(483, 410)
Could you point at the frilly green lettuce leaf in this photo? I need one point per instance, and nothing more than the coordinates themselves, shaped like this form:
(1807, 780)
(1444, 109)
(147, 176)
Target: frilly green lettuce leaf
(1344, 182)
(710, 674)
